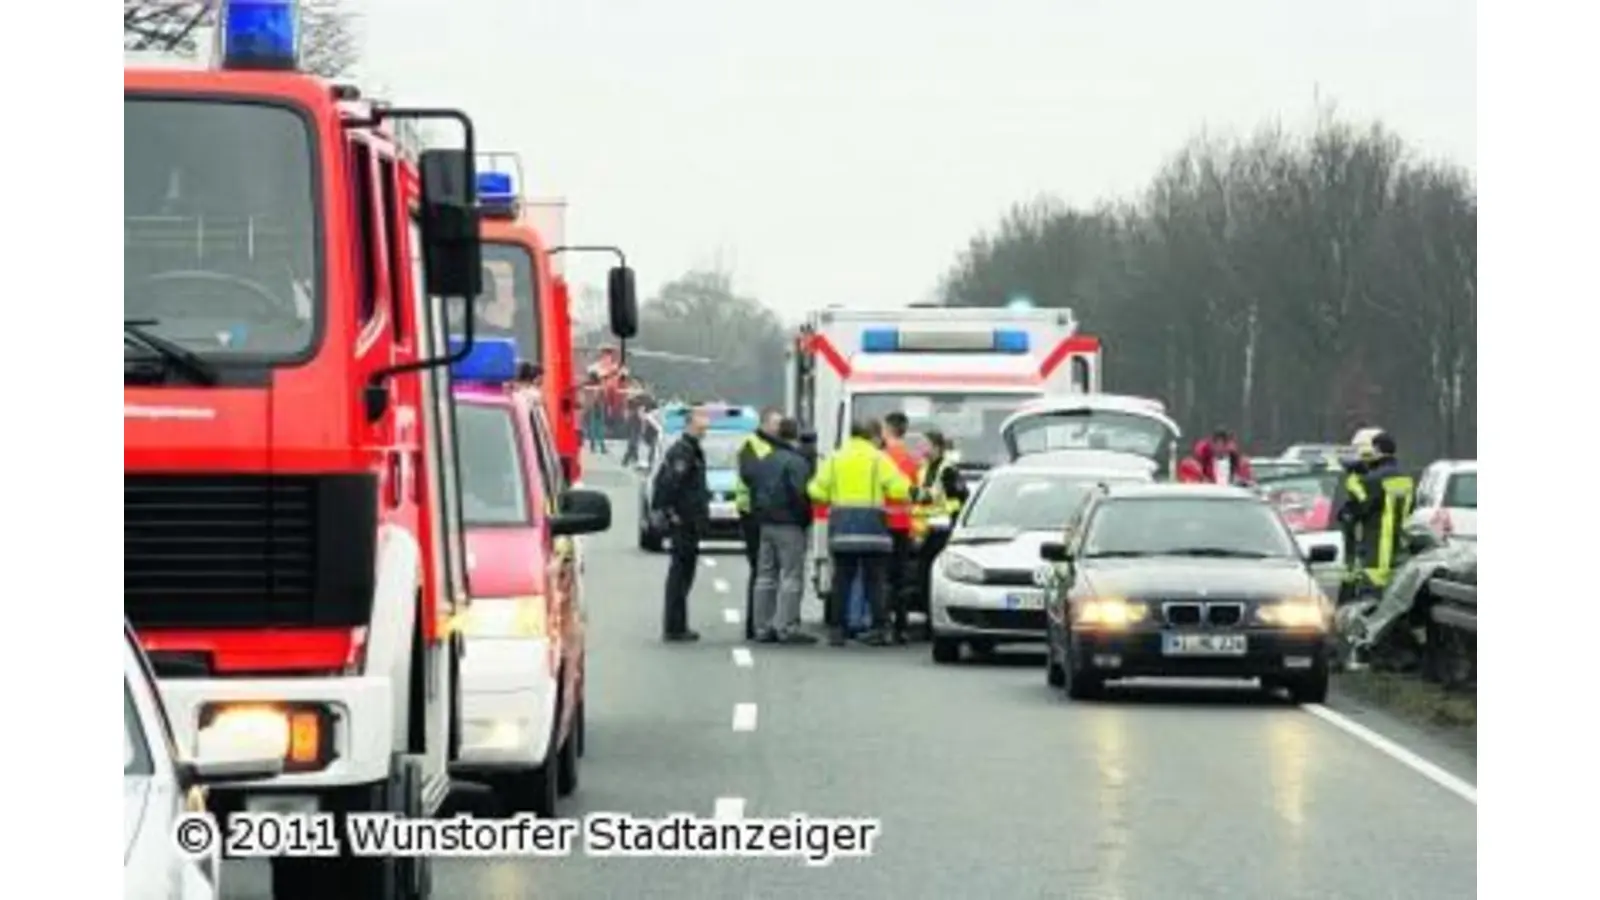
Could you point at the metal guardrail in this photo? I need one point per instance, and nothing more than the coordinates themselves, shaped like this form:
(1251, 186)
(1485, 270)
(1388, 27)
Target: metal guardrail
(1451, 656)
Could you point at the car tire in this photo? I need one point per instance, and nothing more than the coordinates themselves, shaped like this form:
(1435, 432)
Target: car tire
(1080, 685)
(945, 650)
(567, 759)
(1311, 688)
(649, 541)
(536, 790)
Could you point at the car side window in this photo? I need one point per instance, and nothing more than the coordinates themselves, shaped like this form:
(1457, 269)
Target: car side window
(1428, 487)
(549, 463)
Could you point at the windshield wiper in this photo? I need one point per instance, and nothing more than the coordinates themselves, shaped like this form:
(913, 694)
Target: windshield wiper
(1219, 553)
(1118, 554)
(174, 355)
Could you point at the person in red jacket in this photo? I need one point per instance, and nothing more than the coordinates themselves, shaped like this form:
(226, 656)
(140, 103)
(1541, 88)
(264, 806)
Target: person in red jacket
(1190, 471)
(1221, 461)
(901, 580)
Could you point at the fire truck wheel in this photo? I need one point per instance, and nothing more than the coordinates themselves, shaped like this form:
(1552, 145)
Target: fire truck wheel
(363, 878)
(567, 772)
(535, 790)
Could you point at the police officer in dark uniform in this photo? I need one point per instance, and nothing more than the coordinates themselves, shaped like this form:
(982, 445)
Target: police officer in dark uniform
(682, 498)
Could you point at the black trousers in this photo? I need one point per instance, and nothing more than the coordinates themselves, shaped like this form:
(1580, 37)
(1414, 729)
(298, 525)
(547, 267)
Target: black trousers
(685, 550)
(932, 546)
(901, 579)
(750, 530)
(874, 569)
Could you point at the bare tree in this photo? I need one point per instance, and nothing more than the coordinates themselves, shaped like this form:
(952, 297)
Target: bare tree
(328, 41)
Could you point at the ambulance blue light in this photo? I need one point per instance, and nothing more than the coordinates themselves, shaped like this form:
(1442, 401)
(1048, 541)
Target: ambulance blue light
(880, 340)
(494, 189)
(1006, 341)
(491, 361)
(260, 34)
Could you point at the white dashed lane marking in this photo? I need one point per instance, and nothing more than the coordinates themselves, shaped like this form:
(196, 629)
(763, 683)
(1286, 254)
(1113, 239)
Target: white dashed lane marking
(720, 585)
(731, 616)
(744, 717)
(729, 808)
(743, 658)
(709, 562)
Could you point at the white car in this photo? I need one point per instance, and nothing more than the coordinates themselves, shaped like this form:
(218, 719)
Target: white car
(1447, 499)
(159, 786)
(983, 588)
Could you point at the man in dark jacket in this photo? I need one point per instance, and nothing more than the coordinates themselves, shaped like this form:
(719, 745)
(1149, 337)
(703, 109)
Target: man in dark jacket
(782, 510)
(682, 497)
(1379, 503)
(756, 447)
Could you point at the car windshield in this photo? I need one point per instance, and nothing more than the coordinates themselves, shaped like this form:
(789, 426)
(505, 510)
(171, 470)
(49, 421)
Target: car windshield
(508, 305)
(971, 421)
(1305, 501)
(1187, 526)
(493, 487)
(135, 749)
(219, 226)
(1034, 501)
(1462, 491)
(1098, 429)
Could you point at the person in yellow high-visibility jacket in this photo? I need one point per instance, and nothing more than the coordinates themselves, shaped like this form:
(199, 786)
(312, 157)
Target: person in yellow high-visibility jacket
(856, 484)
(1379, 502)
(757, 445)
(940, 495)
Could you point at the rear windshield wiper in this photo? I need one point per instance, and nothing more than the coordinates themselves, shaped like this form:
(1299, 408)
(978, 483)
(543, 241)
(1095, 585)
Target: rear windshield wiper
(174, 355)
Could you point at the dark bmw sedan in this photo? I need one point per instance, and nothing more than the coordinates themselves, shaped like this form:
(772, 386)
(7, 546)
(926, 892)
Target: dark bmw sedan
(1183, 581)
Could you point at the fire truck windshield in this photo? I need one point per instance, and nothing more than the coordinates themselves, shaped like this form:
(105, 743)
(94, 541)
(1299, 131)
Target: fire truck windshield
(220, 226)
(970, 420)
(508, 305)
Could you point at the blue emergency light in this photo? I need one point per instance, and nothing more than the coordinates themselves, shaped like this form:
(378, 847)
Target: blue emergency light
(890, 340)
(491, 361)
(723, 418)
(260, 34)
(496, 193)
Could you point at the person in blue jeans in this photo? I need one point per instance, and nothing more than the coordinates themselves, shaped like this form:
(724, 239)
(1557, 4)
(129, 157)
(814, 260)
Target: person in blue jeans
(594, 414)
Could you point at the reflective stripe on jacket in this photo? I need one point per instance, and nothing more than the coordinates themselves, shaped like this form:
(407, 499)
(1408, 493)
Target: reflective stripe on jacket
(937, 504)
(1381, 500)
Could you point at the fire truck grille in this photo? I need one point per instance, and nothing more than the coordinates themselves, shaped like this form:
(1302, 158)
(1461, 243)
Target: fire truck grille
(246, 551)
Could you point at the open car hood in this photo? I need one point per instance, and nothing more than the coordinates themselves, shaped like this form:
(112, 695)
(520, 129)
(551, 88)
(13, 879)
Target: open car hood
(1104, 423)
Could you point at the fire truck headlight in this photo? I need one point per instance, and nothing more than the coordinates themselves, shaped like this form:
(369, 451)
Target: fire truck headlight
(301, 735)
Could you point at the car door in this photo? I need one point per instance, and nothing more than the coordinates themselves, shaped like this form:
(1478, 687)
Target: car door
(565, 562)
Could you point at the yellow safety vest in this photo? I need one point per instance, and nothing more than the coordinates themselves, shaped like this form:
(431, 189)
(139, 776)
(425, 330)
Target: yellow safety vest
(741, 491)
(847, 478)
(1399, 494)
(937, 505)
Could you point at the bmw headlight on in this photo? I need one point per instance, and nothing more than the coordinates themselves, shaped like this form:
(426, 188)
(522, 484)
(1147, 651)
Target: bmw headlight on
(1109, 612)
(1309, 613)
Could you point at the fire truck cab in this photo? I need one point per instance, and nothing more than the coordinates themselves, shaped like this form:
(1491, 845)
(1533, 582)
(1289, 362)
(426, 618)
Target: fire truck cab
(525, 299)
(293, 546)
(961, 371)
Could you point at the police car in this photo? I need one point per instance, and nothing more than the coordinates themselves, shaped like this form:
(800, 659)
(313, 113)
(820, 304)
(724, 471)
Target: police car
(730, 425)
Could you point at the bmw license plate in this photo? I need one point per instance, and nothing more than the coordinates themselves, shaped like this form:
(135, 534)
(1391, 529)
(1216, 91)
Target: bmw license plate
(723, 511)
(1025, 600)
(1203, 644)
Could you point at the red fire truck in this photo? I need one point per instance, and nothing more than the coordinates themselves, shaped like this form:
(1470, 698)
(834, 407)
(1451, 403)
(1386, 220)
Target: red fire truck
(293, 548)
(526, 300)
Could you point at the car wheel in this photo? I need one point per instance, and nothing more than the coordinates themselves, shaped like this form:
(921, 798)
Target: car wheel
(1080, 685)
(946, 650)
(1312, 688)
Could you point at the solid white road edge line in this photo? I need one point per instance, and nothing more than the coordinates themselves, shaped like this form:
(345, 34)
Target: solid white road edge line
(720, 586)
(731, 616)
(729, 808)
(1458, 786)
(743, 658)
(744, 717)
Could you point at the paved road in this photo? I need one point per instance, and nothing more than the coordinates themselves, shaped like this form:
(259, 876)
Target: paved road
(987, 782)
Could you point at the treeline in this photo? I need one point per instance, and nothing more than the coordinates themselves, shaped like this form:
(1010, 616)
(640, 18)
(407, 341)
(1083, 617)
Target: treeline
(1292, 288)
(701, 339)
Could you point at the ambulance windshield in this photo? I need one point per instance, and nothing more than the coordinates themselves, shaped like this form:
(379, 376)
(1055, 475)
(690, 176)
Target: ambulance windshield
(220, 226)
(508, 305)
(970, 420)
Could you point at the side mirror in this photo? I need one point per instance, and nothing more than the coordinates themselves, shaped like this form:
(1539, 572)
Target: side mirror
(1322, 553)
(581, 512)
(452, 254)
(623, 302)
(1054, 551)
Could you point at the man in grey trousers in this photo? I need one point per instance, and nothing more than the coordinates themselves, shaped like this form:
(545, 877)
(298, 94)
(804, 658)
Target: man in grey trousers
(780, 506)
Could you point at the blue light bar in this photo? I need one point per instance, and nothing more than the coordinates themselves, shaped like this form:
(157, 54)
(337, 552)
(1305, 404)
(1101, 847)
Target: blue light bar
(1009, 341)
(491, 361)
(880, 340)
(260, 34)
(494, 188)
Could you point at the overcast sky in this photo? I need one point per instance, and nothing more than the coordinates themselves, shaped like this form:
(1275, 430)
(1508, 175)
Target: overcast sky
(844, 152)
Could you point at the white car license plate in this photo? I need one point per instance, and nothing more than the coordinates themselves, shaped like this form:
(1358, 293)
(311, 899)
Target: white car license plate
(723, 511)
(1025, 600)
(1203, 644)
